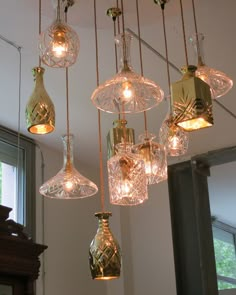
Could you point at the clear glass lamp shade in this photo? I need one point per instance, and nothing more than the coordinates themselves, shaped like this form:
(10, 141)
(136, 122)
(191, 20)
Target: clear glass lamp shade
(173, 137)
(126, 177)
(126, 92)
(39, 112)
(154, 156)
(59, 44)
(104, 251)
(68, 183)
(218, 81)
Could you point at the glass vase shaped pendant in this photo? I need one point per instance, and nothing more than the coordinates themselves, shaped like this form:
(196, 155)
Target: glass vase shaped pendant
(218, 81)
(104, 251)
(154, 156)
(59, 44)
(40, 112)
(126, 92)
(68, 182)
(126, 177)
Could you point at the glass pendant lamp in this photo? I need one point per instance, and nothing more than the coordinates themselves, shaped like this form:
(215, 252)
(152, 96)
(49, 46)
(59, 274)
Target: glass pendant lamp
(104, 251)
(40, 112)
(126, 92)
(218, 81)
(154, 156)
(59, 44)
(68, 183)
(173, 137)
(126, 177)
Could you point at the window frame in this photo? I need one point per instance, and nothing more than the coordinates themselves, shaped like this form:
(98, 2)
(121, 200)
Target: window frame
(27, 145)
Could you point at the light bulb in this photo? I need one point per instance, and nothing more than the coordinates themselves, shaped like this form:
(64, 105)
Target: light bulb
(125, 187)
(174, 142)
(59, 44)
(127, 91)
(68, 186)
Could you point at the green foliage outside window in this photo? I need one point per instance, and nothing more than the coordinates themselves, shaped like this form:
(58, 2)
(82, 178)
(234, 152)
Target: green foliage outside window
(225, 262)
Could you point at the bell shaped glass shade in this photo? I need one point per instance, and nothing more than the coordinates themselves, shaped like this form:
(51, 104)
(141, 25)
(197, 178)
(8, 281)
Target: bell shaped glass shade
(118, 134)
(218, 81)
(173, 137)
(39, 112)
(154, 156)
(59, 44)
(126, 92)
(68, 182)
(126, 177)
(104, 251)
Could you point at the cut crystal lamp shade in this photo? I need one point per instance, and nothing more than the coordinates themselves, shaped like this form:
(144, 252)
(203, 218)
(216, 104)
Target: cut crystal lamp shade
(68, 182)
(59, 44)
(173, 137)
(154, 156)
(39, 112)
(126, 92)
(104, 251)
(126, 177)
(218, 81)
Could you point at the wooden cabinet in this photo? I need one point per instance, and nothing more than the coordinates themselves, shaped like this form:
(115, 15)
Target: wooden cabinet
(19, 257)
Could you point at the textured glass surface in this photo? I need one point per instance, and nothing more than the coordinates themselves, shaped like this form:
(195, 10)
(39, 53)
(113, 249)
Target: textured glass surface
(126, 177)
(218, 81)
(39, 112)
(173, 137)
(68, 183)
(59, 44)
(154, 156)
(117, 134)
(126, 92)
(104, 251)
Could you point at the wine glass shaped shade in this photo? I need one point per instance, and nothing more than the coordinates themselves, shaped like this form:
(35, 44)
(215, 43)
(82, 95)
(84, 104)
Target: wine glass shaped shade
(59, 44)
(154, 156)
(173, 137)
(218, 81)
(104, 252)
(126, 92)
(40, 112)
(126, 177)
(68, 183)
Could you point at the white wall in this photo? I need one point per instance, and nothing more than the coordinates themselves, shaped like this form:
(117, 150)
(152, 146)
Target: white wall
(144, 233)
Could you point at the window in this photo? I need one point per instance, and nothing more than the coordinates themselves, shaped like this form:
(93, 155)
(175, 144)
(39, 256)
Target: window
(17, 178)
(225, 254)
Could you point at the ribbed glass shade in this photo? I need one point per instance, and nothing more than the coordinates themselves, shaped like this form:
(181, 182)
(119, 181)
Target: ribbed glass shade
(68, 183)
(39, 112)
(218, 81)
(126, 177)
(104, 251)
(173, 137)
(126, 92)
(59, 44)
(154, 156)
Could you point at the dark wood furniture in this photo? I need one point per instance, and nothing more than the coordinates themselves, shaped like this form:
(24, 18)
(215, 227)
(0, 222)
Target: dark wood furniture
(19, 257)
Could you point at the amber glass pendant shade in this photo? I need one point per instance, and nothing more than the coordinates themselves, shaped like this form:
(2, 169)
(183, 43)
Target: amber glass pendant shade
(59, 44)
(126, 92)
(126, 177)
(218, 81)
(191, 101)
(118, 134)
(39, 112)
(104, 251)
(173, 137)
(154, 156)
(68, 182)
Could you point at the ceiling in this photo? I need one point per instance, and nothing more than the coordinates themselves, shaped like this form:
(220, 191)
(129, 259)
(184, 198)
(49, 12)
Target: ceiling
(19, 23)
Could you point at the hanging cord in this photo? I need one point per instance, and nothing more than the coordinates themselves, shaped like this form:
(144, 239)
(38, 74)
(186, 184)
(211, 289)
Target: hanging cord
(184, 35)
(40, 25)
(141, 60)
(166, 52)
(102, 196)
(196, 33)
(118, 19)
